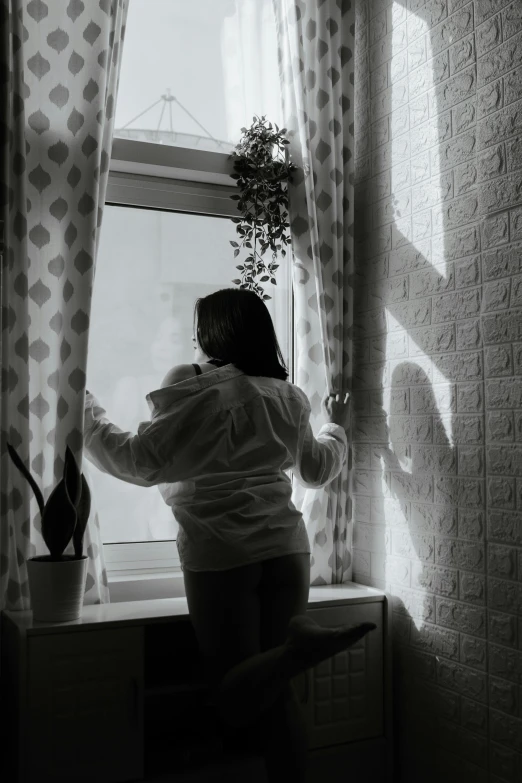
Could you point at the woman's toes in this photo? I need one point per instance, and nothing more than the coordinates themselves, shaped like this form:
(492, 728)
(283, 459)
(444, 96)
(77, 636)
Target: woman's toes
(306, 638)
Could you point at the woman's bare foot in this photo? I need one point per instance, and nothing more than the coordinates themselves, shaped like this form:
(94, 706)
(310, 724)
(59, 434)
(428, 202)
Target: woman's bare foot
(310, 642)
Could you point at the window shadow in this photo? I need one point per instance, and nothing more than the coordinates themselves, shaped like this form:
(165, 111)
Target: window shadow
(410, 385)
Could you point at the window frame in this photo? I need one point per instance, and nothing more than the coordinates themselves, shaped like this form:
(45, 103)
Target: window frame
(146, 175)
(171, 179)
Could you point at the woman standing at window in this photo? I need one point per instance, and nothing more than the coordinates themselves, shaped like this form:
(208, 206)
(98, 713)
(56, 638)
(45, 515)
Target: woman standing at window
(224, 434)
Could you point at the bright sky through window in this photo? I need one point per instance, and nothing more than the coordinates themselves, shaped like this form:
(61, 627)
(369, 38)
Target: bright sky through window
(213, 61)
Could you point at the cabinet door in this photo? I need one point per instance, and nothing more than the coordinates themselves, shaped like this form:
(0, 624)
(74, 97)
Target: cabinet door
(343, 698)
(84, 693)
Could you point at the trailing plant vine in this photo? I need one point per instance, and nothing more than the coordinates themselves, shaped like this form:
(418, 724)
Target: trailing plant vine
(262, 171)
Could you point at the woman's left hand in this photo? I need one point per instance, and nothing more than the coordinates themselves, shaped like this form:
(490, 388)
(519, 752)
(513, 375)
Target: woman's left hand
(337, 407)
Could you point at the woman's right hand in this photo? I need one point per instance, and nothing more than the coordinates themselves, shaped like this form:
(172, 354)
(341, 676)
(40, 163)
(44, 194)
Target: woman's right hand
(337, 407)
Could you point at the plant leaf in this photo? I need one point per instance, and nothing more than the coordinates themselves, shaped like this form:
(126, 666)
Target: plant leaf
(83, 511)
(72, 478)
(25, 473)
(58, 520)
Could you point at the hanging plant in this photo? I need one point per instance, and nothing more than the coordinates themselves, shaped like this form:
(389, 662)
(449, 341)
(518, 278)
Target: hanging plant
(262, 170)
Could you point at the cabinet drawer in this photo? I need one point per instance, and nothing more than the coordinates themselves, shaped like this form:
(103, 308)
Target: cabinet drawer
(85, 706)
(343, 696)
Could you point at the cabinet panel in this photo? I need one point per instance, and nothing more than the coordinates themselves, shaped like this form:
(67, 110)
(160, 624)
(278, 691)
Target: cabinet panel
(365, 761)
(343, 696)
(81, 696)
(85, 706)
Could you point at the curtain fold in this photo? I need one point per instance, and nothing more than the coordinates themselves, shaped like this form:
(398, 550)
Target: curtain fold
(59, 74)
(316, 40)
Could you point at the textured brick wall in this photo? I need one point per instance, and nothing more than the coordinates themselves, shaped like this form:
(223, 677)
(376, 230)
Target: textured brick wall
(438, 372)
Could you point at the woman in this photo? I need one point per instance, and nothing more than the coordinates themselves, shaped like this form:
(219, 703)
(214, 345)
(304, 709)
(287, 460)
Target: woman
(223, 436)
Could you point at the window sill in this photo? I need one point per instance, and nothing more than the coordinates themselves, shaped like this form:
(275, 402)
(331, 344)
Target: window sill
(146, 587)
(170, 162)
(114, 578)
(139, 612)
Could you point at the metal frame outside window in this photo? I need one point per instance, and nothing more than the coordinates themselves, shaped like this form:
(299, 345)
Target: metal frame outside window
(171, 179)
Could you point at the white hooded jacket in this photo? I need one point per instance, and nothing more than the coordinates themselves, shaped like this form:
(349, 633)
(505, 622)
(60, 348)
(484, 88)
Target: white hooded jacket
(220, 446)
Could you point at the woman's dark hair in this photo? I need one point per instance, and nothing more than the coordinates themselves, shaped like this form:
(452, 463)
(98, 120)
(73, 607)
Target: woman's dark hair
(234, 326)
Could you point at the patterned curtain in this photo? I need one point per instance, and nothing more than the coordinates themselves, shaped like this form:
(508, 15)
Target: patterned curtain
(316, 66)
(59, 73)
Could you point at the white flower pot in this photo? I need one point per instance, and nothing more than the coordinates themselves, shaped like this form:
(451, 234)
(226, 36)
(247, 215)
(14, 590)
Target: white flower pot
(57, 588)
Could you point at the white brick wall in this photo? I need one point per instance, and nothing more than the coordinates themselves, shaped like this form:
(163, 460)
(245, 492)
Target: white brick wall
(438, 372)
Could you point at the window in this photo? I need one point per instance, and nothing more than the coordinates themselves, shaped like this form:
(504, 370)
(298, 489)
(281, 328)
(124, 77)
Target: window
(152, 265)
(209, 66)
(166, 227)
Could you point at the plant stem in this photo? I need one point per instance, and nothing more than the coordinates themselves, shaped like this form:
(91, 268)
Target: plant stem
(255, 228)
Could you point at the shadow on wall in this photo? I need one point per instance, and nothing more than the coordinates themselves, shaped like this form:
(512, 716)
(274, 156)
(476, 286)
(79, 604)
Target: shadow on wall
(411, 383)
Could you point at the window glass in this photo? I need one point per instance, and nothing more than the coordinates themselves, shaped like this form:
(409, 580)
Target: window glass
(195, 71)
(151, 268)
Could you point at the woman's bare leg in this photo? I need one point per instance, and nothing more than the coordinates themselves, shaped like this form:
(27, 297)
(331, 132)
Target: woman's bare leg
(236, 616)
(252, 686)
(225, 613)
(225, 610)
(282, 728)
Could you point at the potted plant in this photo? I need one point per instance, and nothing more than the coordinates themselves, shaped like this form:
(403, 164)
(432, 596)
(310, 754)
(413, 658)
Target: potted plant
(262, 170)
(57, 581)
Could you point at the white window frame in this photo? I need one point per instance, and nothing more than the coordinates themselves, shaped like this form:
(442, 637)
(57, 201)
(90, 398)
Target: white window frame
(174, 179)
(170, 179)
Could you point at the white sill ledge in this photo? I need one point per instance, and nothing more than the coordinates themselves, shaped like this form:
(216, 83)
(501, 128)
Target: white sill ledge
(144, 612)
(168, 585)
(116, 577)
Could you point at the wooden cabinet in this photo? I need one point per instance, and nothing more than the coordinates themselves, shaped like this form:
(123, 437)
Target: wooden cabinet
(84, 706)
(344, 695)
(94, 699)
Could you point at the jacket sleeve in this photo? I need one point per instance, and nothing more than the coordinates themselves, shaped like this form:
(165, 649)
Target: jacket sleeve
(124, 455)
(319, 460)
